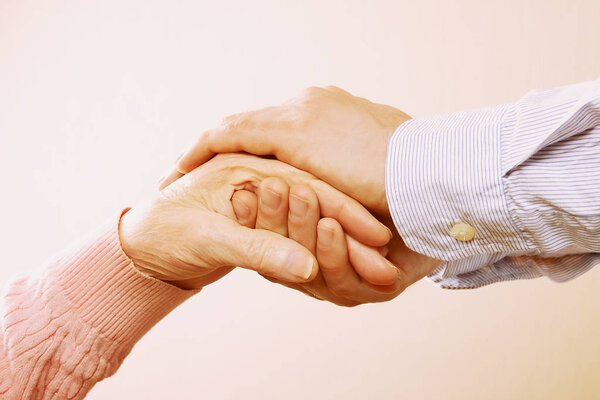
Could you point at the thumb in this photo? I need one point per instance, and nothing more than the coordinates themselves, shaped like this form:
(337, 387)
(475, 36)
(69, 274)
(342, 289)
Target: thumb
(267, 253)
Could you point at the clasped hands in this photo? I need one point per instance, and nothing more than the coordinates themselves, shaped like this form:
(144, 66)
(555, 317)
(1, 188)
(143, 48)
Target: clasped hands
(314, 219)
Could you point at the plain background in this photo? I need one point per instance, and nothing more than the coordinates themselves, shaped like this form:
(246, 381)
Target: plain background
(98, 97)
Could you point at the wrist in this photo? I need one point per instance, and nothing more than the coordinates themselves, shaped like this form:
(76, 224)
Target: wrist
(133, 241)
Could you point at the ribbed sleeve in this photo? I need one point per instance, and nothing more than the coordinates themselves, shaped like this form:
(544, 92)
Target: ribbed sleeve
(72, 323)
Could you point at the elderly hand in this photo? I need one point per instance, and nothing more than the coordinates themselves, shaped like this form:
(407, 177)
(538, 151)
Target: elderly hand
(350, 273)
(330, 133)
(188, 234)
(340, 138)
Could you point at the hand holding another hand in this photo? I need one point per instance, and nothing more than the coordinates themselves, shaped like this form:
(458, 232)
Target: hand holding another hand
(188, 234)
(339, 138)
(350, 273)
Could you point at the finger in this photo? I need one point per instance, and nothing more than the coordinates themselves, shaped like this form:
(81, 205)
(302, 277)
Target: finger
(354, 218)
(303, 216)
(171, 177)
(341, 278)
(332, 255)
(265, 252)
(370, 264)
(239, 133)
(245, 207)
(197, 154)
(273, 206)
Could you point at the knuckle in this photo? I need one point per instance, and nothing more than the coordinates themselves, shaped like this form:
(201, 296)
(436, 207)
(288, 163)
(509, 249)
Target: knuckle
(327, 224)
(256, 254)
(303, 192)
(333, 88)
(312, 98)
(276, 184)
(312, 91)
(235, 122)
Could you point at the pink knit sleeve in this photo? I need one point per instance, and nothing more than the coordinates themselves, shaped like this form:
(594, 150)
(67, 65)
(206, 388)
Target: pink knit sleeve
(72, 324)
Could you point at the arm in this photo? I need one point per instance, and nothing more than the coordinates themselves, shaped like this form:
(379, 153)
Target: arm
(349, 272)
(523, 175)
(71, 325)
(343, 139)
(340, 138)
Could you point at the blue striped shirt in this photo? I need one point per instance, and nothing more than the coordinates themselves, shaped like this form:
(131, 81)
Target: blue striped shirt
(525, 175)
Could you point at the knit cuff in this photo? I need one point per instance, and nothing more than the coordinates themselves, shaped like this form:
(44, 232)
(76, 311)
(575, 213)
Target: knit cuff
(108, 292)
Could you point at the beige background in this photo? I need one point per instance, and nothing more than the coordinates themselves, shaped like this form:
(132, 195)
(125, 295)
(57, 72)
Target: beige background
(98, 97)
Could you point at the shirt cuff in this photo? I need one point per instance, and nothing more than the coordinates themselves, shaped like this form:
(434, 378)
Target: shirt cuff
(446, 170)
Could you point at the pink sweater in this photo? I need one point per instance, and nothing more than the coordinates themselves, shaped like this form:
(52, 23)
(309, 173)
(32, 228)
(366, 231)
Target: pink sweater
(72, 324)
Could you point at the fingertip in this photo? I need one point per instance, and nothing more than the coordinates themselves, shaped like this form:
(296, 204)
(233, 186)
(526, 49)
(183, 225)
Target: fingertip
(184, 166)
(370, 264)
(327, 230)
(245, 206)
(300, 266)
(314, 270)
(168, 179)
(193, 157)
(380, 234)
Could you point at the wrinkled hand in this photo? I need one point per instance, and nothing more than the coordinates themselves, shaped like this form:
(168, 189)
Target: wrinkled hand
(330, 133)
(350, 273)
(188, 234)
(340, 138)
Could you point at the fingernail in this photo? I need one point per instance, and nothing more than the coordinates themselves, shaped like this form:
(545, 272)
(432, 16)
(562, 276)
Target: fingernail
(298, 206)
(391, 268)
(178, 165)
(270, 198)
(298, 264)
(240, 208)
(324, 235)
(389, 232)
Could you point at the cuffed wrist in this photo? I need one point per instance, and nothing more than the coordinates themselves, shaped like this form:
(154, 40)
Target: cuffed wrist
(444, 170)
(108, 292)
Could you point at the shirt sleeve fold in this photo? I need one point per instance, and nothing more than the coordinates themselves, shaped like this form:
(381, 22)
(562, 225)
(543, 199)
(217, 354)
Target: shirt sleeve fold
(524, 175)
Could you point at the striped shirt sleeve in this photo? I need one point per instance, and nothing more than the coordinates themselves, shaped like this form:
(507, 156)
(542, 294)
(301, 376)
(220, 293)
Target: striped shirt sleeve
(524, 175)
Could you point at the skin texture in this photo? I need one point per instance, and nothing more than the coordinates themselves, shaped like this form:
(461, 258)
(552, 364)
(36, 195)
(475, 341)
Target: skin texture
(188, 233)
(338, 137)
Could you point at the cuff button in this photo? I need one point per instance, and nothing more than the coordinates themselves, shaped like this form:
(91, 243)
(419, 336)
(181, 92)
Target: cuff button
(462, 231)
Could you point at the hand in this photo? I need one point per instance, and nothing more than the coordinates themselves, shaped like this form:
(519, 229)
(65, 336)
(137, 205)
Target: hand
(350, 273)
(188, 234)
(340, 138)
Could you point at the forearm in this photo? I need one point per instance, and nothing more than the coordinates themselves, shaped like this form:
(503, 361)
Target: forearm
(522, 175)
(72, 324)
